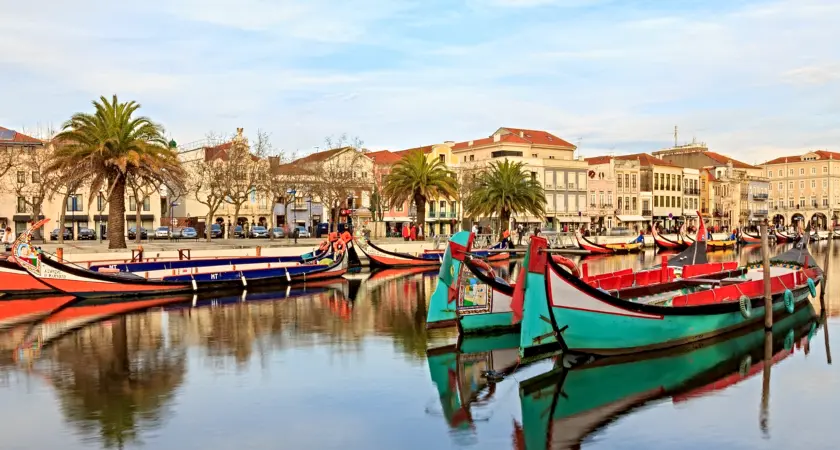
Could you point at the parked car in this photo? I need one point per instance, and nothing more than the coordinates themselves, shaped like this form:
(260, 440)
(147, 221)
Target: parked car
(162, 233)
(215, 231)
(132, 233)
(238, 232)
(278, 233)
(68, 234)
(322, 229)
(189, 233)
(302, 232)
(86, 234)
(258, 232)
(176, 233)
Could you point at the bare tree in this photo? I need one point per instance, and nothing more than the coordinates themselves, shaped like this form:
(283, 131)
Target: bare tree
(205, 183)
(342, 175)
(64, 187)
(245, 169)
(142, 189)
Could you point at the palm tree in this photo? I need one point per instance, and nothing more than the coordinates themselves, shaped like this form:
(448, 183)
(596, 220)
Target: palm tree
(416, 178)
(111, 147)
(505, 188)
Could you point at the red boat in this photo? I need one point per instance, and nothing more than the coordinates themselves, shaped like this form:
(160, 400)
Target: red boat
(20, 310)
(380, 257)
(611, 249)
(664, 243)
(782, 238)
(16, 281)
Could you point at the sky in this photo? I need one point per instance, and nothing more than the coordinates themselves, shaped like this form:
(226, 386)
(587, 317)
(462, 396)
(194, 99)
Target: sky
(752, 79)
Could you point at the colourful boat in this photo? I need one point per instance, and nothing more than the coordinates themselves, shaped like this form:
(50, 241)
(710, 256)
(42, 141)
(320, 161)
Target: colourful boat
(473, 300)
(16, 281)
(609, 249)
(558, 308)
(664, 243)
(749, 239)
(783, 238)
(26, 309)
(721, 244)
(78, 281)
(561, 408)
(380, 257)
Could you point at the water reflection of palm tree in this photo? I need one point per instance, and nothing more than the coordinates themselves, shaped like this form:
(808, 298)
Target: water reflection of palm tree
(114, 390)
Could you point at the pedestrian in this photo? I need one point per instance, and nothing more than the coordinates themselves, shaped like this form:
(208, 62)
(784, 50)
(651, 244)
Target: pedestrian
(475, 228)
(405, 232)
(536, 231)
(413, 232)
(8, 239)
(295, 233)
(519, 231)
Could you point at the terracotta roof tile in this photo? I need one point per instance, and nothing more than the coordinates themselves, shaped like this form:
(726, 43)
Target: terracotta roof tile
(824, 154)
(647, 160)
(490, 141)
(17, 138)
(725, 159)
(320, 156)
(595, 160)
(425, 149)
(539, 137)
(384, 157)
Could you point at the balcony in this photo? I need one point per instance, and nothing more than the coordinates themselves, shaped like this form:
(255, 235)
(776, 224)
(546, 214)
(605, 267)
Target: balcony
(431, 214)
(762, 196)
(759, 212)
(691, 191)
(647, 213)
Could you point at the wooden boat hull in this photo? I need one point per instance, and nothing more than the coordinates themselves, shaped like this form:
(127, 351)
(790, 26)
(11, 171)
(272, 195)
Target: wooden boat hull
(664, 243)
(16, 281)
(561, 408)
(608, 249)
(783, 238)
(380, 257)
(720, 245)
(20, 310)
(185, 265)
(562, 310)
(748, 239)
(80, 282)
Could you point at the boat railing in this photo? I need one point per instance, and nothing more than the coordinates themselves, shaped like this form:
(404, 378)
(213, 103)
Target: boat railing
(480, 241)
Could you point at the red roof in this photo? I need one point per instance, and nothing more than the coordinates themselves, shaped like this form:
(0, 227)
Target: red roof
(725, 159)
(426, 150)
(17, 138)
(384, 157)
(647, 160)
(599, 160)
(489, 141)
(539, 137)
(221, 152)
(711, 174)
(824, 154)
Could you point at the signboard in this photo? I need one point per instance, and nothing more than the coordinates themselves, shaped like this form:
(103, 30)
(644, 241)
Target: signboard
(174, 222)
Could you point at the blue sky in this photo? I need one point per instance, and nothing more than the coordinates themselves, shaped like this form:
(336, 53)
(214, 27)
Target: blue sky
(754, 79)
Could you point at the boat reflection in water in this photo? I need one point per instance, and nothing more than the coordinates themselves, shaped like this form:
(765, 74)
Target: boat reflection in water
(582, 393)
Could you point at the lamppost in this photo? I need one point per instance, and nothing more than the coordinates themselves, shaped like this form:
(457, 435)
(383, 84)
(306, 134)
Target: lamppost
(172, 206)
(311, 223)
(101, 205)
(73, 217)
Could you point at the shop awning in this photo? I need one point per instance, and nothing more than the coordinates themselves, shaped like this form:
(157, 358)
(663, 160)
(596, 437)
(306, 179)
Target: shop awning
(631, 218)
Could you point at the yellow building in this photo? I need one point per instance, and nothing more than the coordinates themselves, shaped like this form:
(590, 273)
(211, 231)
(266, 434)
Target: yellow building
(804, 188)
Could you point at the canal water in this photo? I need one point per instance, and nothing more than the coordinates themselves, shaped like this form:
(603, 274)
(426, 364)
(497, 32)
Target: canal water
(350, 365)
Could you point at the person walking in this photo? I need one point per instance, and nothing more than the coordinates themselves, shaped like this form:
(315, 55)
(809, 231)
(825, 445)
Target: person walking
(519, 232)
(413, 232)
(8, 239)
(405, 232)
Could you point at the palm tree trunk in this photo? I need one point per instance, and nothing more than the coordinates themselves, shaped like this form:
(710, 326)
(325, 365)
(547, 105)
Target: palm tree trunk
(504, 217)
(116, 214)
(420, 205)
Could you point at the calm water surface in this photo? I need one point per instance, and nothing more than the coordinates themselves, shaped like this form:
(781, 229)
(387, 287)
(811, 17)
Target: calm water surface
(345, 366)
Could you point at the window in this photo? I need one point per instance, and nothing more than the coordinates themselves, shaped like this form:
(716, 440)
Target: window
(400, 206)
(132, 203)
(634, 204)
(825, 169)
(790, 172)
(591, 198)
(825, 201)
(781, 186)
(769, 174)
(645, 205)
(801, 171)
(453, 207)
(472, 157)
(656, 181)
(634, 181)
(618, 181)
(582, 202)
(825, 184)
(813, 201)
(549, 200)
(667, 201)
(627, 180)
(74, 202)
(21, 205)
(679, 200)
(442, 159)
(561, 202)
(609, 198)
(626, 203)
(465, 158)
(801, 184)
(790, 185)
(601, 198)
(656, 200)
(780, 172)
(36, 177)
(790, 203)
(801, 202)
(620, 202)
(21, 177)
(533, 155)
(813, 170)
(813, 184)
(442, 205)
(431, 207)
(503, 153)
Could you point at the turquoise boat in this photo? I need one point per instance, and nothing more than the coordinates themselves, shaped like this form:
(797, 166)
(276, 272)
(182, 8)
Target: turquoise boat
(468, 297)
(582, 394)
(559, 309)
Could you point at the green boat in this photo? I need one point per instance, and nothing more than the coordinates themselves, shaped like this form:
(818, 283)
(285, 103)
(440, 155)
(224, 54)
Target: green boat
(468, 295)
(584, 393)
(559, 309)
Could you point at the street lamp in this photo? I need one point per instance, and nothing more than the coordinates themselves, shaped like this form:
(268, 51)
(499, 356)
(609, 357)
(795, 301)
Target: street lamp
(101, 205)
(311, 222)
(172, 206)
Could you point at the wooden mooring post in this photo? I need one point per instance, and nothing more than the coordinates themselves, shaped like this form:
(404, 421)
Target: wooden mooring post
(765, 265)
(764, 413)
(828, 251)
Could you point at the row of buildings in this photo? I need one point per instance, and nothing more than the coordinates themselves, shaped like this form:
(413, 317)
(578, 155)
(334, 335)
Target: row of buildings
(671, 186)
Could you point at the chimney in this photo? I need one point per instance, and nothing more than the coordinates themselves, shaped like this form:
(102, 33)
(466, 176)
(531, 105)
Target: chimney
(470, 144)
(449, 143)
(522, 134)
(497, 137)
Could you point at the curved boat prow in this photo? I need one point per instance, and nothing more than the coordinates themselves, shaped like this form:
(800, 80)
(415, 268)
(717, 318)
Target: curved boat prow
(537, 328)
(442, 307)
